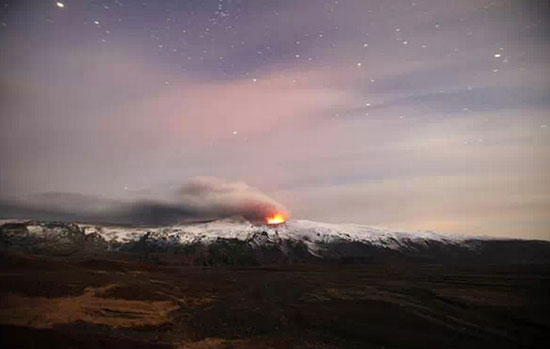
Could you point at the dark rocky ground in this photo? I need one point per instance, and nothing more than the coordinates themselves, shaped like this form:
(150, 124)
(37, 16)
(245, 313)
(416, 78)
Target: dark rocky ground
(122, 301)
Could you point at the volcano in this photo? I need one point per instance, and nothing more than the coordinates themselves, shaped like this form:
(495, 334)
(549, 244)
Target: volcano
(247, 284)
(245, 242)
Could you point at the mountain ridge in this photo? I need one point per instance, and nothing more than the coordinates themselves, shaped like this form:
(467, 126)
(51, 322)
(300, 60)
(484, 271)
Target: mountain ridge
(238, 241)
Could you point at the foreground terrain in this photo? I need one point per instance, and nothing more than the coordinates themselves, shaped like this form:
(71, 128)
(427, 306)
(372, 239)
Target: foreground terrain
(124, 301)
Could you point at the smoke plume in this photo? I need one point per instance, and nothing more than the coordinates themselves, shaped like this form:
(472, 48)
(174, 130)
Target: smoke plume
(202, 198)
(220, 198)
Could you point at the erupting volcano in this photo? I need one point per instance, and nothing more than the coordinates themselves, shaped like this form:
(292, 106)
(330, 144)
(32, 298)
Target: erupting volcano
(276, 218)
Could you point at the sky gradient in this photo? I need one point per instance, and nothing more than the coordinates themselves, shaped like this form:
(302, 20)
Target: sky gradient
(429, 115)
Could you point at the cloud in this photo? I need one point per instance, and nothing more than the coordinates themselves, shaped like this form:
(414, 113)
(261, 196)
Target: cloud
(202, 198)
(201, 112)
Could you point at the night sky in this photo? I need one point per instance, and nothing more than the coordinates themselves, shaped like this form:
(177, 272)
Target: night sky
(409, 114)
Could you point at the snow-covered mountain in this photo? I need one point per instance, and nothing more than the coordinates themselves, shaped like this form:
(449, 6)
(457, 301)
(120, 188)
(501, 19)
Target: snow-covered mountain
(236, 241)
(240, 229)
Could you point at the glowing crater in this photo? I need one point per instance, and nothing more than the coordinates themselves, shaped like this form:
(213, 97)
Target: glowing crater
(276, 218)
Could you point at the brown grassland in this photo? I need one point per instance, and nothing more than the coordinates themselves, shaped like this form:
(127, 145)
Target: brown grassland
(92, 303)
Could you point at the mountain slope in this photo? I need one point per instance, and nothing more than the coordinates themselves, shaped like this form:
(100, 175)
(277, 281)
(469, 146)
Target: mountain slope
(237, 241)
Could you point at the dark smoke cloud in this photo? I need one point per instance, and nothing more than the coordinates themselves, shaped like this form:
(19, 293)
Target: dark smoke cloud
(219, 197)
(202, 198)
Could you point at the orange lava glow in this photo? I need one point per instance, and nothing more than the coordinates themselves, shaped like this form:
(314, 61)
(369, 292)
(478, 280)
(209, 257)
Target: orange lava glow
(276, 218)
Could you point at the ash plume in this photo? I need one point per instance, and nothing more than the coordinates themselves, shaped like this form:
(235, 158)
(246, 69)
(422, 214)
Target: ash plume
(202, 198)
(221, 198)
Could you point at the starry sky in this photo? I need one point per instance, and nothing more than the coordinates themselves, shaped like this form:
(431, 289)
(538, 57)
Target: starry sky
(425, 114)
